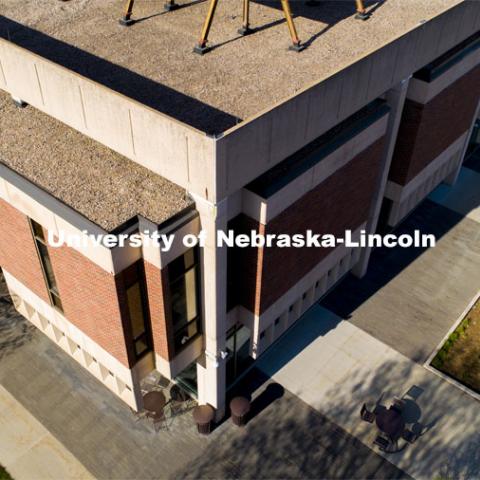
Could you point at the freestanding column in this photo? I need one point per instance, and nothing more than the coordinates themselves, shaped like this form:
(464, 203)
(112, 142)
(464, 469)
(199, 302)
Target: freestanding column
(396, 99)
(211, 369)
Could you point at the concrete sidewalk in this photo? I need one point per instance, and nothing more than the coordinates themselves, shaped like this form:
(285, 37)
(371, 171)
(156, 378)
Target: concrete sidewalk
(286, 439)
(29, 451)
(335, 367)
(410, 298)
(368, 341)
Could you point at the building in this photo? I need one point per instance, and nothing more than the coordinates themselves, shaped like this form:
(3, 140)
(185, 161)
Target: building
(126, 130)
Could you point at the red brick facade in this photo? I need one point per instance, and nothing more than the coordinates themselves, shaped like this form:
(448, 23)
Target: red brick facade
(18, 254)
(157, 283)
(90, 299)
(93, 300)
(427, 130)
(258, 277)
(89, 294)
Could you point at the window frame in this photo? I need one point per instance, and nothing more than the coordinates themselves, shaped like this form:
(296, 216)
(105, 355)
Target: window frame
(137, 276)
(53, 291)
(177, 348)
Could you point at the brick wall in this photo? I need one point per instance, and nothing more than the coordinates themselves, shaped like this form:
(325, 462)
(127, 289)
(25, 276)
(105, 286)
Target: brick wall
(18, 254)
(427, 130)
(156, 281)
(89, 294)
(258, 277)
(90, 299)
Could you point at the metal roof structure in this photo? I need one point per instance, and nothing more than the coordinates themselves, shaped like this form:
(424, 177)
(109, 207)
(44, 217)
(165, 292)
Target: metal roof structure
(203, 47)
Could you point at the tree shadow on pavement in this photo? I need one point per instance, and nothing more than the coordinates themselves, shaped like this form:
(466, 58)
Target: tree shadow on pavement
(290, 439)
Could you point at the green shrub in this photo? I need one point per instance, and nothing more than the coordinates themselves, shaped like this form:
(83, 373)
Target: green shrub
(441, 357)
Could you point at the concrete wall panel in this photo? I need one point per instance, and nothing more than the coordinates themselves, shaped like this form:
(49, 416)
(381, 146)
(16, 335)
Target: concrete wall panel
(427, 44)
(333, 87)
(201, 178)
(469, 17)
(3, 80)
(108, 119)
(355, 87)
(316, 108)
(406, 51)
(290, 125)
(21, 77)
(477, 23)
(450, 30)
(156, 140)
(177, 151)
(246, 151)
(62, 95)
(383, 68)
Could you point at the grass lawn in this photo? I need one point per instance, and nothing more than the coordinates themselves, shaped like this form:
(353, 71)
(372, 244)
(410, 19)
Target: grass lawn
(459, 356)
(4, 474)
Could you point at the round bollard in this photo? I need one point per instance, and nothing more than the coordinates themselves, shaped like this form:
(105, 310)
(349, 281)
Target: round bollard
(239, 407)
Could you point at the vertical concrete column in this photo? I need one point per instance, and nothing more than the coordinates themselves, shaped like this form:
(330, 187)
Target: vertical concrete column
(395, 98)
(452, 178)
(211, 372)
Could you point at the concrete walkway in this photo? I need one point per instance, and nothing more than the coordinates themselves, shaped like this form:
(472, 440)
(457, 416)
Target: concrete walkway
(464, 197)
(410, 298)
(29, 451)
(335, 367)
(368, 340)
(286, 438)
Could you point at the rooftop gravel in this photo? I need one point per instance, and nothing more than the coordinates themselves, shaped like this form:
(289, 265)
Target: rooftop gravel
(102, 185)
(152, 61)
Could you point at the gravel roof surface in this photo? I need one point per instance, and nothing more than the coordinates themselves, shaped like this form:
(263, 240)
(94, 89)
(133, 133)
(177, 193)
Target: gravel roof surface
(152, 61)
(102, 185)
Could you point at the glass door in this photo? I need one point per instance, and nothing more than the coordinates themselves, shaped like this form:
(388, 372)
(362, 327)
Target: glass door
(187, 379)
(238, 350)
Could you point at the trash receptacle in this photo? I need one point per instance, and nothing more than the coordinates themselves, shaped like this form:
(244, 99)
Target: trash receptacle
(203, 416)
(239, 408)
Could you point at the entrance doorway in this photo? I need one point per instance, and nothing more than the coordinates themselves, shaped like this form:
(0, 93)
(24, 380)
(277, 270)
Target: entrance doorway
(187, 379)
(238, 352)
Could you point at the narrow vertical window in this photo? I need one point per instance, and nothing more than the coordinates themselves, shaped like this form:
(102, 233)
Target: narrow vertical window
(184, 292)
(137, 310)
(44, 256)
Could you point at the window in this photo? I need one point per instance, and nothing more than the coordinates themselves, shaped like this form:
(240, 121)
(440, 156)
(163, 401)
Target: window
(44, 256)
(138, 314)
(183, 275)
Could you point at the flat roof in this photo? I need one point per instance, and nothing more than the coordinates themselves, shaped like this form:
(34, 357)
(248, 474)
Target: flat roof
(103, 186)
(152, 61)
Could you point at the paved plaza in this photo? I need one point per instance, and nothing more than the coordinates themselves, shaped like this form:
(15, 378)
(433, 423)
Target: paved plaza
(286, 439)
(29, 450)
(343, 367)
(366, 342)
